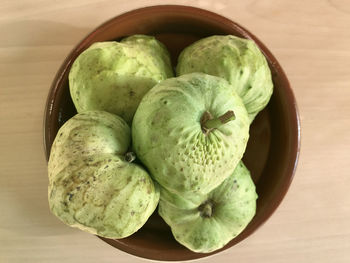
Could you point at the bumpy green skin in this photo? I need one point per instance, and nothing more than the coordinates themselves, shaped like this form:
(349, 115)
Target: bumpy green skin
(91, 186)
(233, 205)
(168, 138)
(157, 49)
(114, 76)
(88, 133)
(237, 60)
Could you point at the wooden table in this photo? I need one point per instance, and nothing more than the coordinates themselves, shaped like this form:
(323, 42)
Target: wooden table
(311, 39)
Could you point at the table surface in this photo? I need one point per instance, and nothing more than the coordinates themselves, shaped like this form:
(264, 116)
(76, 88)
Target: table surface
(311, 39)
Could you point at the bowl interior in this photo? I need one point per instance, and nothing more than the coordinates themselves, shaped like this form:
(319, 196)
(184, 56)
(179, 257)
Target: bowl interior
(273, 147)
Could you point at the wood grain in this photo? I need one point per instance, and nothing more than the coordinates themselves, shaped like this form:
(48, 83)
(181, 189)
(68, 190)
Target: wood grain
(311, 39)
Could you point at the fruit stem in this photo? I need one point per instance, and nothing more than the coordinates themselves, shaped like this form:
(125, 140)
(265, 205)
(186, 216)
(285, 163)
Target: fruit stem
(130, 157)
(206, 209)
(208, 122)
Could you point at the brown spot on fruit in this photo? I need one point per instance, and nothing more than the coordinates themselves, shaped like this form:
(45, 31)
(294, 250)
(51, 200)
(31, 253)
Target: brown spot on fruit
(132, 93)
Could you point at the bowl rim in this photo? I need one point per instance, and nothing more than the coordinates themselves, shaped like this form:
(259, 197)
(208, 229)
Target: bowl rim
(292, 111)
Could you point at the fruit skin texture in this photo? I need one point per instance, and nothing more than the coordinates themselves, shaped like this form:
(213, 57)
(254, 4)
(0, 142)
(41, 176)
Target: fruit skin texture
(235, 59)
(114, 76)
(168, 138)
(232, 206)
(155, 48)
(88, 133)
(91, 186)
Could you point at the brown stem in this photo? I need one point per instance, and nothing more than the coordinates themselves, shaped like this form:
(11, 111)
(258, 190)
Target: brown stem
(206, 209)
(209, 123)
(130, 157)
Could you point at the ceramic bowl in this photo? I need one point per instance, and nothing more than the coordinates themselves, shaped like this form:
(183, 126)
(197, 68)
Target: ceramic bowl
(273, 147)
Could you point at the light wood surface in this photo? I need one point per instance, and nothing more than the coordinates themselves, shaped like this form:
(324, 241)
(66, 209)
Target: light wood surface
(311, 39)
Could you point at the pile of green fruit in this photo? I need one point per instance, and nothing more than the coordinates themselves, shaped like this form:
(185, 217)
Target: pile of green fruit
(188, 133)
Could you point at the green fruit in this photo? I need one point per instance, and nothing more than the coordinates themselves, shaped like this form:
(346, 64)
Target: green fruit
(92, 183)
(114, 76)
(210, 222)
(178, 136)
(90, 133)
(235, 59)
(158, 51)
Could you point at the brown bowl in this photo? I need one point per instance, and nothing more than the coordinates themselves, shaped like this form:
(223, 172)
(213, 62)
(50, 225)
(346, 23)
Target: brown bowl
(273, 147)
